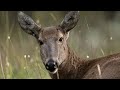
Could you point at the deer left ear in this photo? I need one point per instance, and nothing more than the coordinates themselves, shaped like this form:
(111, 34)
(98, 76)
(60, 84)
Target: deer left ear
(70, 21)
(28, 25)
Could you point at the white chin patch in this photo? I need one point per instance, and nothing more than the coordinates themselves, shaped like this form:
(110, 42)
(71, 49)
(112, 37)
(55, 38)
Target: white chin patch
(54, 71)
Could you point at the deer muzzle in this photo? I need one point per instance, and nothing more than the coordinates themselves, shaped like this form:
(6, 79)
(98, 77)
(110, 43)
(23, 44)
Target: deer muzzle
(51, 66)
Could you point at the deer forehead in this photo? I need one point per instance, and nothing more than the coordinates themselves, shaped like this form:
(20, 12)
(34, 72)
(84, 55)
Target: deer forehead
(50, 32)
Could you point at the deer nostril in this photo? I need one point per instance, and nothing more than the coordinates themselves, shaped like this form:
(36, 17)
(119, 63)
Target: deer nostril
(51, 65)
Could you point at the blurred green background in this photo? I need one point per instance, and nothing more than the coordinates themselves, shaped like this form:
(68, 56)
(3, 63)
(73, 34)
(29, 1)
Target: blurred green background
(97, 34)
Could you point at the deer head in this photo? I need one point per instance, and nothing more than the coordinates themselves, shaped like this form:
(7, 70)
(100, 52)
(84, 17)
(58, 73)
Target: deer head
(52, 40)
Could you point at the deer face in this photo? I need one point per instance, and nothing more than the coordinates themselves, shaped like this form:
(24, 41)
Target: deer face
(53, 47)
(52, 40)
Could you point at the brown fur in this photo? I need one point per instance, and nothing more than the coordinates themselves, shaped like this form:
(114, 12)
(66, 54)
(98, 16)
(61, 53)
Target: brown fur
(77, 68)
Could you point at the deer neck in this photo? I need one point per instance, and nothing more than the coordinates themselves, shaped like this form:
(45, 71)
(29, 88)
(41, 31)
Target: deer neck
(69, 68)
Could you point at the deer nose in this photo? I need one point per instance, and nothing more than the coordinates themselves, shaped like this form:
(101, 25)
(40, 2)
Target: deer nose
(51, 65)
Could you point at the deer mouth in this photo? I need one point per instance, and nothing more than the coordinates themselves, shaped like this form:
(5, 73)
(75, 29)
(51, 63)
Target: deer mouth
(54, 72)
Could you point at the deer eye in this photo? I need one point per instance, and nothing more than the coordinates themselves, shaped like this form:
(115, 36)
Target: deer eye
(61, 39)
(41, 42)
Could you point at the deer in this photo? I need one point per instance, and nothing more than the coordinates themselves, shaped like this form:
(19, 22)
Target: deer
(59, 59)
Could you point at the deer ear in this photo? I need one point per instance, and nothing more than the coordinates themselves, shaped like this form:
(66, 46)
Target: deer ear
(28, 25)
(70, 21)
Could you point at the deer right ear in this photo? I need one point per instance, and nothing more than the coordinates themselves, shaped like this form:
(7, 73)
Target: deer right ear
(70, 21)
(28, 25)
